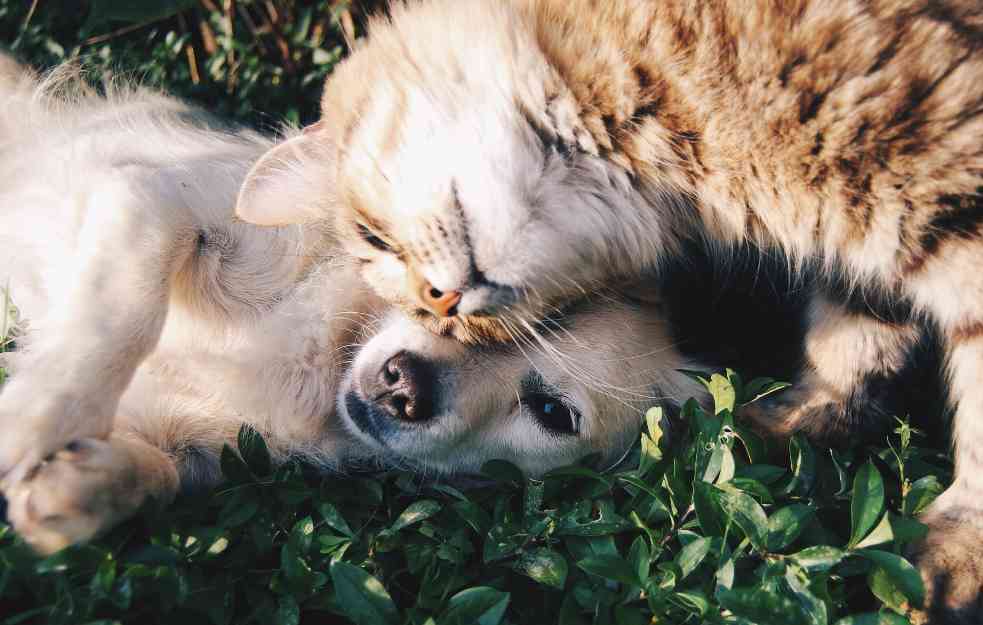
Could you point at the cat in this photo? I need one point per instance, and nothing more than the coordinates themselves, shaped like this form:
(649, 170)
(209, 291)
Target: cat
(495, 159)
(152, 325)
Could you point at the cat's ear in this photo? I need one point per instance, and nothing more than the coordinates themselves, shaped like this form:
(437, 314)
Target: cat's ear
(288, 185)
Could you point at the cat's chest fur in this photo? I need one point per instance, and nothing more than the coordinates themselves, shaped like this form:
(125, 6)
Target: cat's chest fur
(839, 128)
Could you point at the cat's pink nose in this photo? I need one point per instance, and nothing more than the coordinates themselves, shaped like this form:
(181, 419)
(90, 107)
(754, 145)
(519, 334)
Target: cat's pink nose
(440, 303)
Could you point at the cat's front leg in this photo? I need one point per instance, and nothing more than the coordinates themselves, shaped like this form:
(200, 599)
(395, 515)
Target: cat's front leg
(849, 358)
(109, 299)
(87, 488)
(950, 558)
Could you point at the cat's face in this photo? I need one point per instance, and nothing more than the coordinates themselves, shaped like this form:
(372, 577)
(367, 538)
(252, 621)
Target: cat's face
(469, 194)
(441, 406)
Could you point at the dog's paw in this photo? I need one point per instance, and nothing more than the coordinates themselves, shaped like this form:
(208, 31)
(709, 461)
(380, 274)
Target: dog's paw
(74, 494)
(42, 426)
(950, 559)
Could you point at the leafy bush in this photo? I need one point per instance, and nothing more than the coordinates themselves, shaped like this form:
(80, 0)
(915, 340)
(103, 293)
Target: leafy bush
(701, 529)
(260, 62)
(713, 526)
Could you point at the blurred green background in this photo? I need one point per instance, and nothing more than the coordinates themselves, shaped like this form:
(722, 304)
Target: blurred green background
(257, 61)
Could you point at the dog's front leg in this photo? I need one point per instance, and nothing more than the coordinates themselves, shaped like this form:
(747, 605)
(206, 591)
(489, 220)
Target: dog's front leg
(87, 488)
(108, 302)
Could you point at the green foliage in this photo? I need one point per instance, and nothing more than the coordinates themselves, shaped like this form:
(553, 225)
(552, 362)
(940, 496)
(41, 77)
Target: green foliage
(256, 61)
(696, 529)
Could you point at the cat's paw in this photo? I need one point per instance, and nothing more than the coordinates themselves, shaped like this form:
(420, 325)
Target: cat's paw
(950, 559)
(78, 492)
(815, 411)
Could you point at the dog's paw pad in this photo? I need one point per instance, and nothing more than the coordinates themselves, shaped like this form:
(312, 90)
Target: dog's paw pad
(72, 496)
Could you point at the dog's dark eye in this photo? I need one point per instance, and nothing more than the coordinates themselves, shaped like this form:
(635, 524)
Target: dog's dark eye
(373, 240)
(553, 414)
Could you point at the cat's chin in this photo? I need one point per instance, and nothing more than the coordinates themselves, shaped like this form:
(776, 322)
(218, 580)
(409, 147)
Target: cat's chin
(469, 329)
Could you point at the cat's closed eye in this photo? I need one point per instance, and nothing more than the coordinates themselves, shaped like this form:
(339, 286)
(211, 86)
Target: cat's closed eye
(369, 237)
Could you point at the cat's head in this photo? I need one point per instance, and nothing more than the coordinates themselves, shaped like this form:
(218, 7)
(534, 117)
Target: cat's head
(437, 405)
(453, 163)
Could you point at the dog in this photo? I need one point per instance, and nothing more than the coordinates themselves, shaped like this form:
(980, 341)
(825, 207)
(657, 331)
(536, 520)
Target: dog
(153, 324)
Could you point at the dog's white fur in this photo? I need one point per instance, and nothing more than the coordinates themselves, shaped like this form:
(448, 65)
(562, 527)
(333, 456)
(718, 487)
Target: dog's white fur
(154, 324)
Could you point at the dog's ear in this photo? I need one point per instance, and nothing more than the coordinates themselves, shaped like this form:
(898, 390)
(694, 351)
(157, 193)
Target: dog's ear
(288, 185)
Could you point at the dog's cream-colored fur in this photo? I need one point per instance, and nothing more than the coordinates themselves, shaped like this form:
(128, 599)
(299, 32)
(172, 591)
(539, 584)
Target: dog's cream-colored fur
(153, 324)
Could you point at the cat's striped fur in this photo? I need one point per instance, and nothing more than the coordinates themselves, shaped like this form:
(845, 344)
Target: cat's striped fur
(515, 153)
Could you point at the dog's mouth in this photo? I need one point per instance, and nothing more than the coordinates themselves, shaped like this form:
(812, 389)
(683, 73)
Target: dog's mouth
(366, 421)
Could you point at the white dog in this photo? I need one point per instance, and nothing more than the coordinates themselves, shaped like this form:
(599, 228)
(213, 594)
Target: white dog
(153, 324)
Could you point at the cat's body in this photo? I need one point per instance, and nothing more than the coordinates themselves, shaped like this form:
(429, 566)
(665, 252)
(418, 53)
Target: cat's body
(494, 160)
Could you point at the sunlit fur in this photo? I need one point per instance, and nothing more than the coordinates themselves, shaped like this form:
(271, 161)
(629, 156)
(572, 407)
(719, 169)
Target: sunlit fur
(153, 324)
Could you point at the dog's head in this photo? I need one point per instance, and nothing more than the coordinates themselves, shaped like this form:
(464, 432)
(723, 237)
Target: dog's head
(577, 387)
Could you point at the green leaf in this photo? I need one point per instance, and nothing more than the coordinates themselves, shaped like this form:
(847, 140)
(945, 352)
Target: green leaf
(886, 590)
(727, 465)
(288, 612)
(813, 608)
(748, 515)
(476, 606)
(502, 541)
(102, 581)
(764, 473)
(905, 529)
(414, 513)
(361, 597)
(803, 460)
(640, 557)
(233, 468)
(302, 534)
(607, 521)
(923, 492)
(651, 452)
(253, 450)
(239, 509)
(690, 556)
(695, 602)
(653, 422)
(573, 471)
(334, 519)
(543, 565)
(706, 503)
(764, 605)
(818, 559)
(874, 618)
(752, 487)
(900, 572)
(786, 525)
(611, 567)
(867, 503)
(503, 471)
(882, 533)
(722, 391)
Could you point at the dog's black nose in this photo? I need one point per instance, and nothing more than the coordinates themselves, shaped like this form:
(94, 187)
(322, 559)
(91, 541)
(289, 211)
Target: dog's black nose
(407, 381)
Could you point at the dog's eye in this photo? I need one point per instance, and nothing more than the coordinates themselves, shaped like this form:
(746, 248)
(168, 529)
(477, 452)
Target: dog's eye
(553, 414)
(373, 240)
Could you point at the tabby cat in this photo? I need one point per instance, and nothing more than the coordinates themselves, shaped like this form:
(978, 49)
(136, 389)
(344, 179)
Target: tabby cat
(493, 160)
